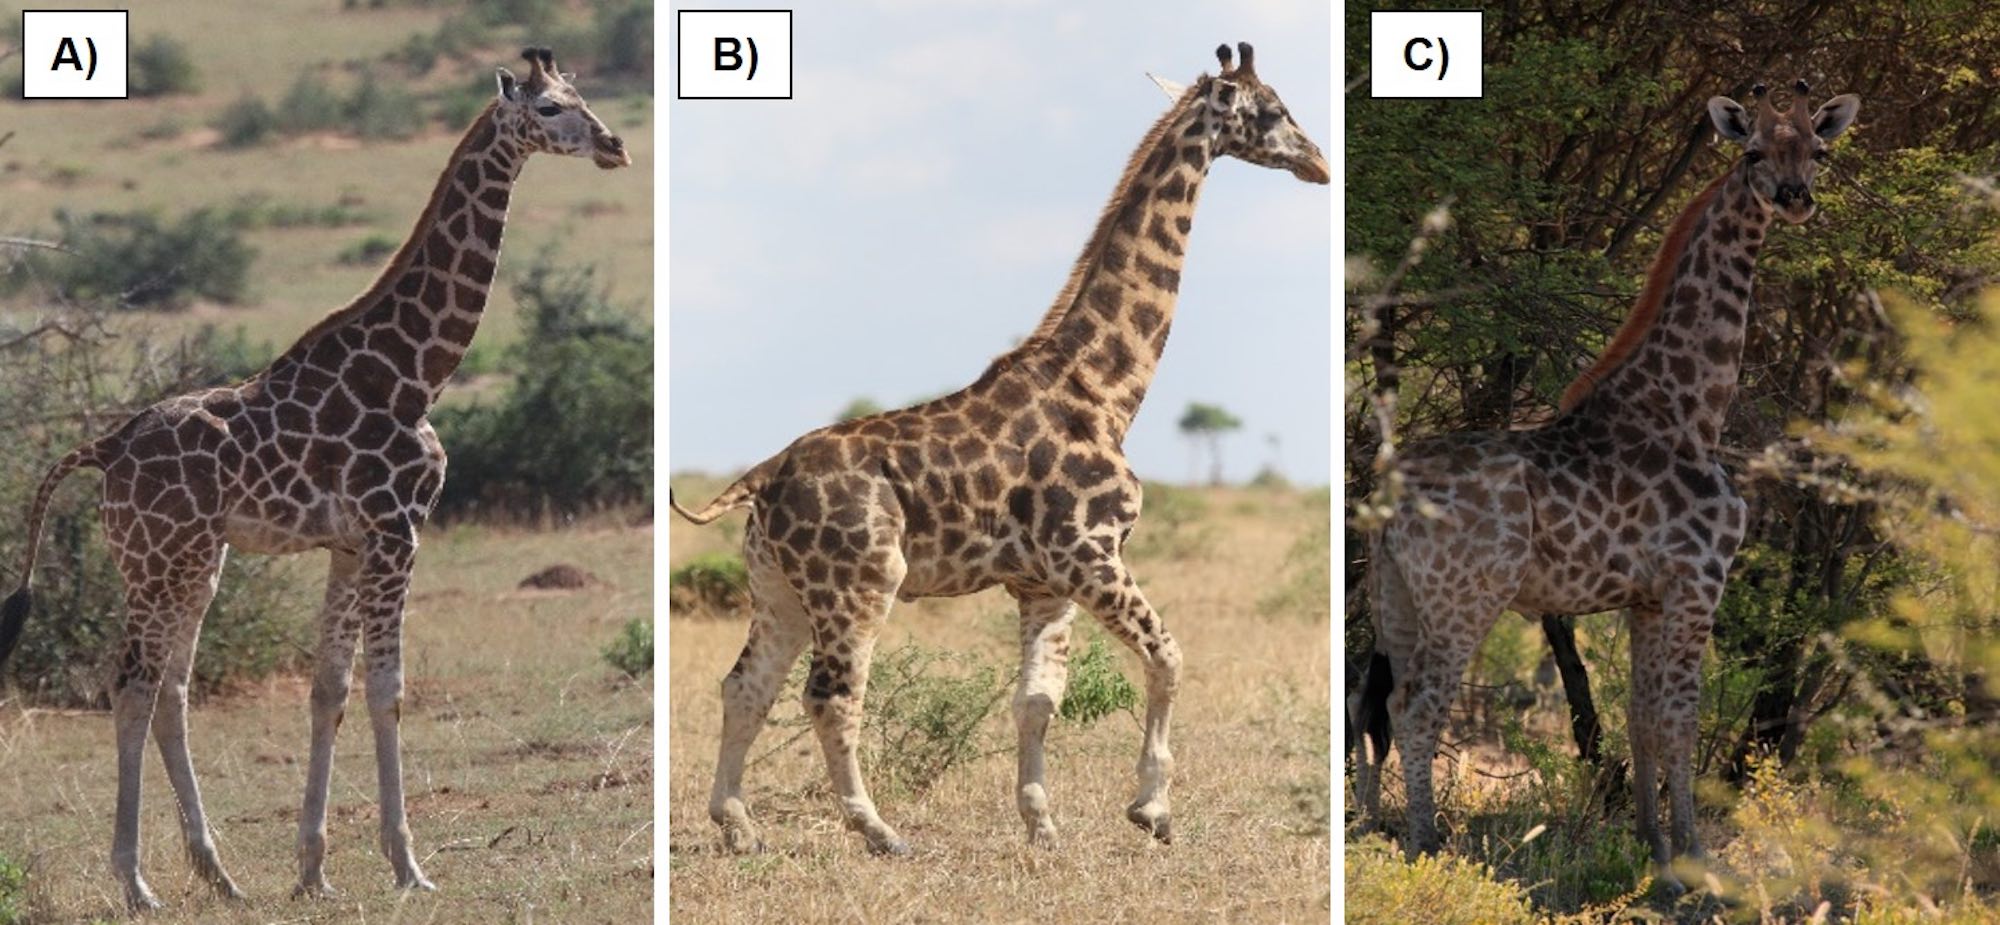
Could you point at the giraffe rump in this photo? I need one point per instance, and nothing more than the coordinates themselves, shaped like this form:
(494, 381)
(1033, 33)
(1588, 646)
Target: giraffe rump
(740, 493)
(14, 613)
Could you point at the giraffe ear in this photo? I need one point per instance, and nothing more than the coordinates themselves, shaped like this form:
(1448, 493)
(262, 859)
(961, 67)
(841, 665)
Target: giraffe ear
(1835, 115)
(510, 89)
(1222, 94)
(1171, 89)
(1730, 119)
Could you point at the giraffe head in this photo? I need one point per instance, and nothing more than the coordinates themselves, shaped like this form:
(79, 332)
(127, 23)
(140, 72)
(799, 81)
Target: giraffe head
(545, 113)
(1782, 151)
(1249, 122)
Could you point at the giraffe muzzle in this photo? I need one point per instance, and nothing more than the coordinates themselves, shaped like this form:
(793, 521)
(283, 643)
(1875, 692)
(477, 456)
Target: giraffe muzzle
(610, 153)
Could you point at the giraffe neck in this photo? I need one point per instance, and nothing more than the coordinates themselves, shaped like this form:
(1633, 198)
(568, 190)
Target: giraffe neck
(398, 343)
(1100, 343)
(1678, 373)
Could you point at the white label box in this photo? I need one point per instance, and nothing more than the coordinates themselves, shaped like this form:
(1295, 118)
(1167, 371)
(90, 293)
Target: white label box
(1434, 54)
(734, 54)
(75, 54)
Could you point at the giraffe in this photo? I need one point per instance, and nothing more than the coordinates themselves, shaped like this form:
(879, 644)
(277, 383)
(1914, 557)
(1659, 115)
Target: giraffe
(329, 447)
(1620, 502)
(1017, 480)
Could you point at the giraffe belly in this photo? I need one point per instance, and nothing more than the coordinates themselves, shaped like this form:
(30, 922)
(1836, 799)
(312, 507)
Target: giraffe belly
(1568, 588)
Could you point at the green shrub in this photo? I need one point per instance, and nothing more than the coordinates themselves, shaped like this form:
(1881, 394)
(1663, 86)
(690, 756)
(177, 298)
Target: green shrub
(377, 110)
(161, 66)
(245, 123)
(309, 105)
(632, 650)
(1441, 889)
(623, 39)
(1096, 687)
(370, 250)
(583, 388)
(925, 708)
(13, 892)
(136, 260)
(716, 581)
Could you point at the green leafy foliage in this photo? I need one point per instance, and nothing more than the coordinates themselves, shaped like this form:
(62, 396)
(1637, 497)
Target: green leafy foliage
(583, 373)
(716, 582)
(13, 892)
(246, 123)
(139, 260)
(925, 708)
(162, 66)
(1096, 687)
(632, 650)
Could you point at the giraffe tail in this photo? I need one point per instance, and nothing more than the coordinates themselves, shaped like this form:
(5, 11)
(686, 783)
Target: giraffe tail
(740, 493)
(14, 612)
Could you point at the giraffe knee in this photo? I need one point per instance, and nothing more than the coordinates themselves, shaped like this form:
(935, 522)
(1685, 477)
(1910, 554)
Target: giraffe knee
(1034, 709)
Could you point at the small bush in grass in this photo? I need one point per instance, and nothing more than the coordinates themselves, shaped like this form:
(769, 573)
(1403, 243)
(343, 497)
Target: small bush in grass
(370, 250)
(13, 892)
(377, 110)
(309, 105)
(161, 66)
(925, 708)
(137, 260)
(1096, 687)
(716, 581)
(624, 38)
(1441, 889)
(245, 123)
(632, 650)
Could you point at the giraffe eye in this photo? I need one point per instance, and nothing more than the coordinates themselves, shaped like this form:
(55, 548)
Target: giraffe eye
(1753, 156)
(1267, 118)
(549, 110)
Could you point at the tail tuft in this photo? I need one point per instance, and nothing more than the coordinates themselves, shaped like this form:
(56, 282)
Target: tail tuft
(13, 616)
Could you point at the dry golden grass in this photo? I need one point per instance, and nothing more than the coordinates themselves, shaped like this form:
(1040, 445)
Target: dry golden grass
(528, 761)
(1250, 740)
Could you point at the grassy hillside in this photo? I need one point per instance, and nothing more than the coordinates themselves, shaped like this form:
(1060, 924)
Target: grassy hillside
(1249, 738)
(162, 153)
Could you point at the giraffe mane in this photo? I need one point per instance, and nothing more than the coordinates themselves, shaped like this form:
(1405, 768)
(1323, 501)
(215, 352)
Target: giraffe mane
(476, 134)
(1094, 249)
(1646, 312)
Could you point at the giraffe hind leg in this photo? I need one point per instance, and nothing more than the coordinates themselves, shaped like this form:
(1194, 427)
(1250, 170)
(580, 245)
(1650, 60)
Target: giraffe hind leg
(162, 613)
(844, 632)
(778, 634)
(171, 731)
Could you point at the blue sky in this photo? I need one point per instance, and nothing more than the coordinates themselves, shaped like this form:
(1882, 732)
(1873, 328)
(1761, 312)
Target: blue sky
(917, 205)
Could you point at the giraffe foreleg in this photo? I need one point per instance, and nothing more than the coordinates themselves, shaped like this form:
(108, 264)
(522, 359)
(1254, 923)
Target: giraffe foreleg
(1118, 604)
(170, 728)
(843, 644)
(385, 581)
(1045, 629)
(333, 673)
(1643, 725)
(778, 633)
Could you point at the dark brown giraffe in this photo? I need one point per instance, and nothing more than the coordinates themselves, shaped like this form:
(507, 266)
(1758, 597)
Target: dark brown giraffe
(1621, 502)
(328, 448)
(1018, 480)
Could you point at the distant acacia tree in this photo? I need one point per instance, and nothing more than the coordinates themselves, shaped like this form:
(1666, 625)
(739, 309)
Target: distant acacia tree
(860, 407)
(1204, 426)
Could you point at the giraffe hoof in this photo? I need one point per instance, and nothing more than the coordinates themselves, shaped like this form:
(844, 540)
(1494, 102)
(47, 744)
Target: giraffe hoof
(1160, 825)
(741, 841)
(416, 882)
(227, 889)
(316, 888)
(890, 848)
(142, 900)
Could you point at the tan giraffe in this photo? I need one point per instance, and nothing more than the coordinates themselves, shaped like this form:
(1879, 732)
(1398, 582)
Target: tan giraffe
(1621, 502)
(1017, 480)
(330, 448)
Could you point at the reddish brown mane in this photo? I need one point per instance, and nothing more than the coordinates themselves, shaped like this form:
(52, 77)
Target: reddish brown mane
(1647, 311)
